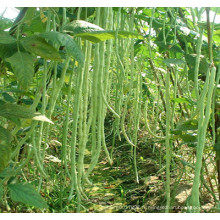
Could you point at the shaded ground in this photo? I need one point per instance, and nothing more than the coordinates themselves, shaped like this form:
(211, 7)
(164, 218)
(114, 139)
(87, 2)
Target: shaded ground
(114, 189)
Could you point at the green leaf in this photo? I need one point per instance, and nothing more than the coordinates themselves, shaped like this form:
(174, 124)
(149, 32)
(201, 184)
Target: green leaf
(6, 38)
(204, 65)
(1, 191)
(13, 110)
(7, 172)
(216, 38)
(25, 193)
(8, 97)
(9, 110)
(5, 153)
(173, 61)
(79, 26)
(86, 12)
(169, 47)
(27, 101)
(38, 46)
(188, 138)
(181, 100)
(188, 125)
(185, 163)
(191, 59)
(29, 15)
(17, 121)
(7, 50)
(215, 9)
(71, 46)
(202, 24)
(156, 23)
(5, 135)
(5, 23)
(36, 26)
(97, 36)
(143, 17)
(23, 67)
(191, 74)
(217, 145)
(176, 132)
(94, 33)
(217, 32)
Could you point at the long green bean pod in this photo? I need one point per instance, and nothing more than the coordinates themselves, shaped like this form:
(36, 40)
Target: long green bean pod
(82, 145)
(94, 97)
(147, 124)
(167, 141)
(198, 51)
(77, 99)
(202, 129)
(66, 126)
(213, 106)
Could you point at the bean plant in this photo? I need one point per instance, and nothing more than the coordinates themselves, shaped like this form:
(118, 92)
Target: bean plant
(88, 81)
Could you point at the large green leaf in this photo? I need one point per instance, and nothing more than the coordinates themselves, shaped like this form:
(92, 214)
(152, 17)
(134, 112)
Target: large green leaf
(29, 15)
(86, 12)
(25, 193)
(204, 65)
(6, 38)
(61, 39)
(23, 67)
(38, 46)
(9, 110)
(7, 172)
(180, 100)
(16, 120)
(7, 50)
(217, 32)
(185, 163)
(97, 36)
(8, 98)
(94, 33)
(79, 26)
(1, 191)
(191, 59)
(191, 124)
(215, 9)
(203, 25)
(14, 110)
(5, 153)
(5, 23)
(189, 138)
(155, 23)
(5, 135)
(168, 47)
(36, 26)
(173, 61)
(217, 145)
